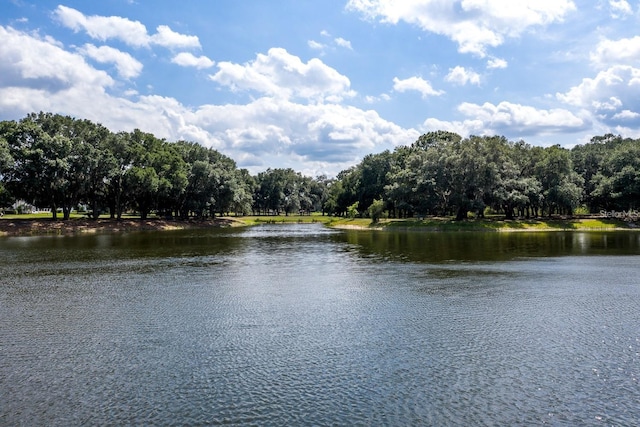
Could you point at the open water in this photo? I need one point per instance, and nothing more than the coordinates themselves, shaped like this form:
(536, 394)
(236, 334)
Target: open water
(303, 325)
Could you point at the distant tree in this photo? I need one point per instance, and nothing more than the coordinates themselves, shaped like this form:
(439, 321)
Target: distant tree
(5, 163)
(561, 185)
(619, 181)
(45, 170)
(375, 210)
(352, 210)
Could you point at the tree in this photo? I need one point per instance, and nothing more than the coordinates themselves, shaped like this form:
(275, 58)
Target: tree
(120, 154)
(589, 162)
(42, 171)
(620, 176)
(376, 210)
(5, 164)
(561, 185)
(142, 183)
(373, 171)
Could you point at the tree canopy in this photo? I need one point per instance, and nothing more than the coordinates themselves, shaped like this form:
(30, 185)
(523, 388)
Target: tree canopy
(62, 163)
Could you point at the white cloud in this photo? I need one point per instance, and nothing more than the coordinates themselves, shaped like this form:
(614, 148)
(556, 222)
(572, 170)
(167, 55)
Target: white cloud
(509, 119)
(278, 73)
(474, 24)
(324, 132)
(166, 37)
(495, 63)
(626, 115)
(271, 131)
(103, 28)
(620, 8)
(608, 94)
(127, 66)
(523, 119)
(343, 43)
(186, 59)
(32, 62)
(611, 52)
(416, 84)
(316, 45)
(461, 76)
(322, 47)
(133, 33)
(369, 99)
(462, 128)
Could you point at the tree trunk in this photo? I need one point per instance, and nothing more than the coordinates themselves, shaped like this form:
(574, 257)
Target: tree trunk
(508, 212)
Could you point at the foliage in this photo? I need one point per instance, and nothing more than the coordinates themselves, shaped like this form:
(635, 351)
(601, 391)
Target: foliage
(59, 162)
(375, 210)
(352, 210)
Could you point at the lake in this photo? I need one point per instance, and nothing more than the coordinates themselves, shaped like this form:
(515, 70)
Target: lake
(305, 325)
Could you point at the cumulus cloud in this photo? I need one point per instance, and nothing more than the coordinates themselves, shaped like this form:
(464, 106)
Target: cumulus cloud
(343, 43)
(166, 37)
(329, 133)
(39, 63)
(316, 45)
(626, 115)
(524, 119)
(133, 33)
(37, 74)
(461, 76)
(509, 119)
(417, 84)
(620, 8)
(474, 24)
(610, 52)
(186, 59)
(495, 63)
(608, 94)
(278, 73)
(127, 66)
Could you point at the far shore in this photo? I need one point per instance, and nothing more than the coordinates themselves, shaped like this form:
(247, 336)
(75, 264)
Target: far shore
(30, 226)
(48, 226)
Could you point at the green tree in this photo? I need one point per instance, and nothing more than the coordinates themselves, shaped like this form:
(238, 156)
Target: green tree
(5, 163)
(561, 185)
(375, 210)
(620, 178)
(42, 171)
(352, 210)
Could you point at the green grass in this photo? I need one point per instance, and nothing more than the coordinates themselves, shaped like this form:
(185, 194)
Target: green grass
(48, 215)
(428, 224)
(281, 219)
(445, 224)
(40, 215)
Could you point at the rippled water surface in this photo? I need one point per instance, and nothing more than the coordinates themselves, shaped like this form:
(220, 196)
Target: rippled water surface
(302, 325)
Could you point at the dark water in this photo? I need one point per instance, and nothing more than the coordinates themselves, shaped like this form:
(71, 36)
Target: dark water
(301, 325)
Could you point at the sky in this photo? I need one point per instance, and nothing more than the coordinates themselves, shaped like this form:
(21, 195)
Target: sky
(316, 85)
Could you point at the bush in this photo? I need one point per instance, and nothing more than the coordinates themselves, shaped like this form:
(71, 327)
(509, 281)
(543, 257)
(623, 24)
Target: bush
(376, 210)
(352, 211)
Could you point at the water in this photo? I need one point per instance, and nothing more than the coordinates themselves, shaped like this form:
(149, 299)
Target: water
(302, 325)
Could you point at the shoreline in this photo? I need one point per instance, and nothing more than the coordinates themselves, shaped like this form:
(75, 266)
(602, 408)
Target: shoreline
(49, 227)
(498, 226)
(429, 229)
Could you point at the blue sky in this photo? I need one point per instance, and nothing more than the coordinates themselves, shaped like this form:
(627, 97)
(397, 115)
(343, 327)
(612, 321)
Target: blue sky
(316, 85)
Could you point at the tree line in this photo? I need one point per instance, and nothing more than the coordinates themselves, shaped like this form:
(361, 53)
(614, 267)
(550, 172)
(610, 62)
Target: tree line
(63, 163)
(444, 174)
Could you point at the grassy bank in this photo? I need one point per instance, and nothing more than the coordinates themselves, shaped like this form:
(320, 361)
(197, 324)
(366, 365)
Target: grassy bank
(447, 224)
(498, 225)
(39, 224)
